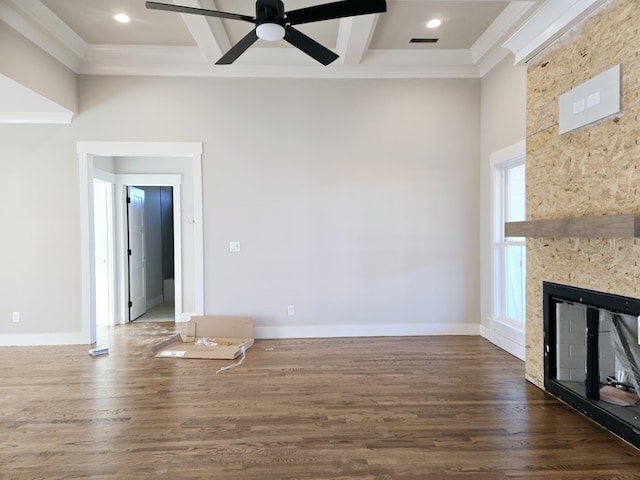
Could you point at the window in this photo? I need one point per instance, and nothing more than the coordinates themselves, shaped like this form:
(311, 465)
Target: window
(510, 253)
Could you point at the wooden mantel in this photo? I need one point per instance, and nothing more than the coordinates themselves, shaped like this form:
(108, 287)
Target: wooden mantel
(603, 226)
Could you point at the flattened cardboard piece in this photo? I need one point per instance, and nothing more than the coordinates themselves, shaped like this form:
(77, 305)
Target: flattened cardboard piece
(224, 339)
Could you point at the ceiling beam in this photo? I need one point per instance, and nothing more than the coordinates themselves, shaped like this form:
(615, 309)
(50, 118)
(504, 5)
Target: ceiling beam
(500, 28)
(354, 35)
(208, 32)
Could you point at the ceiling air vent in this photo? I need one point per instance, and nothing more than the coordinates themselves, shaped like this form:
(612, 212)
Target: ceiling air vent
(424, 40)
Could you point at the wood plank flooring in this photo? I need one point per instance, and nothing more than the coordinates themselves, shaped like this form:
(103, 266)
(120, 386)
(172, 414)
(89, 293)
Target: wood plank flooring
(367, 408)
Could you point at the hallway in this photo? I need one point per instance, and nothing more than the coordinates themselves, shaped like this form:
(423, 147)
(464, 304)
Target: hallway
(165, 312)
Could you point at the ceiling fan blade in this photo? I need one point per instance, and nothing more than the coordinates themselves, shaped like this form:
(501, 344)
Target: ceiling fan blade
(309, 46)
(198, 11)
(328, 11)
(238, 49)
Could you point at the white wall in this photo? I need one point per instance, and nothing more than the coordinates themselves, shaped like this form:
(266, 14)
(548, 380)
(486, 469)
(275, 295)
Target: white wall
(504, 110)
(354, 200)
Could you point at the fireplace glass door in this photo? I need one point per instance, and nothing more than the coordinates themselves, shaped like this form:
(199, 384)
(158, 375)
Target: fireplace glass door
(592, 355)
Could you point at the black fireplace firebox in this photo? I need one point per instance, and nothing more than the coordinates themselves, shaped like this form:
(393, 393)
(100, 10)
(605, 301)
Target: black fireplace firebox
(592, 355)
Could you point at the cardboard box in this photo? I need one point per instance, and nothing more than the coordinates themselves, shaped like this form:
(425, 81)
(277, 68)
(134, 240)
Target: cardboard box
(212, 337)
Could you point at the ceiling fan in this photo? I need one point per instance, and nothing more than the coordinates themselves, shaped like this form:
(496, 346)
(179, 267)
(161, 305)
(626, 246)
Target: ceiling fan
(273, 23)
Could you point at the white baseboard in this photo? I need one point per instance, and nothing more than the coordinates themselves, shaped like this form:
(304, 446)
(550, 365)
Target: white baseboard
(505, 343)
(38, 339)
(278, 332)
(387, 330)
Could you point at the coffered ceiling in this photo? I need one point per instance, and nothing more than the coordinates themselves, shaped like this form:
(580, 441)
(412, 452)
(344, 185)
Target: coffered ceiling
(84, 36)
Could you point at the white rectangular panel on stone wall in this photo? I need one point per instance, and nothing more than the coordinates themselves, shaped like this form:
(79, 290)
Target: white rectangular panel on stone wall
(590, 101)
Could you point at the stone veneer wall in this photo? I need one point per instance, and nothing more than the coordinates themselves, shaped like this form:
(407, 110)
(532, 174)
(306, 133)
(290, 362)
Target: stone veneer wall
(591, 171)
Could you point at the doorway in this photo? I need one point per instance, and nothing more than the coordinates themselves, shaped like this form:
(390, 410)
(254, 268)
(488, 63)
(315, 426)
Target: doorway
(187, 155)
(145, 243)
(151, 260)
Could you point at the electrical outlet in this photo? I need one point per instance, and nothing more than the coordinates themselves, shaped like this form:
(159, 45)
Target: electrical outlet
(16, 317)
(291, 310)
(234, 247)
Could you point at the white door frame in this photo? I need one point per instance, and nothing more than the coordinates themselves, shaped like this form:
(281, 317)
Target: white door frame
(192, 151)
(107, 219)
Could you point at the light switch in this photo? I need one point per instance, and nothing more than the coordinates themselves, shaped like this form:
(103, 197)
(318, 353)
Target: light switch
(234, 247)
(593, 100)
(578, 106)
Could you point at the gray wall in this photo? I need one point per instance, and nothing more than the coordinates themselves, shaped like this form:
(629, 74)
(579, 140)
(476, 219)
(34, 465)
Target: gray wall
(355, 200)
(153, 245)
(27, 64)
(504, 106)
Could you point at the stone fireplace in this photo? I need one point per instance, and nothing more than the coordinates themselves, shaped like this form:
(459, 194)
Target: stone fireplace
(589, 172)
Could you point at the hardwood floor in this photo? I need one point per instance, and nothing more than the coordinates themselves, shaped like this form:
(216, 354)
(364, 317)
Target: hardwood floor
(367, 408)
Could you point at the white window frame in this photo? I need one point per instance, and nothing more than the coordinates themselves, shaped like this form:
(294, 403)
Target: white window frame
(501, 243)
(506, 333)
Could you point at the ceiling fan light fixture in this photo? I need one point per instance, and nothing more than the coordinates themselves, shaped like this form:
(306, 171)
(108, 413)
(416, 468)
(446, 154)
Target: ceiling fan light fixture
(270, 31)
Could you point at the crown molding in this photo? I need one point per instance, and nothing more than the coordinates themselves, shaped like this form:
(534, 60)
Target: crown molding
(282, 71)
(547, 24)
(501, 27)
(490, 61)
(37, 23)
(37, 117)
(275, 63)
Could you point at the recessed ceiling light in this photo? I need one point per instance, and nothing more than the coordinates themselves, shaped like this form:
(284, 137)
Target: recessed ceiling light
(435, 23)
(121, 17)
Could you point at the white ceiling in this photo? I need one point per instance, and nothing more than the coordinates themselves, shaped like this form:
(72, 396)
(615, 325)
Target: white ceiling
(83, 35)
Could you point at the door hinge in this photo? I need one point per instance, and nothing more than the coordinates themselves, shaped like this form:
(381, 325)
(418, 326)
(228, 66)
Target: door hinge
(128, 199)
(130, 304)
(129, 252)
